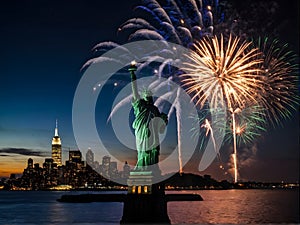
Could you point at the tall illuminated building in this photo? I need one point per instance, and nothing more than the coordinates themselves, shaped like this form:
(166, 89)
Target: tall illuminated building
(105, 166)
(30, 163)
(56, 147)
(89, 157)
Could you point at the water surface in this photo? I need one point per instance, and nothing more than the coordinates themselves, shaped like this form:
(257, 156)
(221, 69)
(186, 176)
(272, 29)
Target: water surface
(222, 206)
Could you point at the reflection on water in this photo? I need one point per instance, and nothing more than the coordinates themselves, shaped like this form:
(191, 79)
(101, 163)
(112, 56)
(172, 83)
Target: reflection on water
(239, 207)
(17, 207)
(223, 206)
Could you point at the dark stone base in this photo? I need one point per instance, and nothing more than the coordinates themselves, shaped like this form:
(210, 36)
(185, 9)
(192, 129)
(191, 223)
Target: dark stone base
(145, 209)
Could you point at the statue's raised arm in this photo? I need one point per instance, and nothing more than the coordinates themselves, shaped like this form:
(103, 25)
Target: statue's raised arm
(132, 70)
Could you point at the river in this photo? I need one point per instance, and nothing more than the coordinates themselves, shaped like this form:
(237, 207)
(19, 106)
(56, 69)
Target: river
(218, 207)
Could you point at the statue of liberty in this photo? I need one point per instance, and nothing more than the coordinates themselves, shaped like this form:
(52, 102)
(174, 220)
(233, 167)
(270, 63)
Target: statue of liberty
(148, 123)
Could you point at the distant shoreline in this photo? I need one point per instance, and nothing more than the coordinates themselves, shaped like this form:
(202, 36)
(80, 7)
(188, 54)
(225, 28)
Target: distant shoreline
(175, 189)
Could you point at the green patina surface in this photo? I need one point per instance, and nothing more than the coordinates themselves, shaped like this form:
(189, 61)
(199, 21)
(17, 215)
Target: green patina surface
(148, 123)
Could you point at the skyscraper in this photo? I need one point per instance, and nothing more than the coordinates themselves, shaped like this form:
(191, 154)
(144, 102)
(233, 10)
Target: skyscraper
(113, 170)
(90, 158)
(56, 147)
(30, 163)
(126, 170)
(105, 166)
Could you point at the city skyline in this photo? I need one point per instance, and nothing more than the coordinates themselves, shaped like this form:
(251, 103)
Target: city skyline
(43, 49)
(89, 156)
(52, 174)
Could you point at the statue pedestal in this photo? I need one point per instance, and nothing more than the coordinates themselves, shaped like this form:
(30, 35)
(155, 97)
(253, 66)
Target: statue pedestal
(140, 182)
(145, 202)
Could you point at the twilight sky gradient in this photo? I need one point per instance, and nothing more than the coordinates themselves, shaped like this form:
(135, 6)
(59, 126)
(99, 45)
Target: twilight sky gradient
(43, 45)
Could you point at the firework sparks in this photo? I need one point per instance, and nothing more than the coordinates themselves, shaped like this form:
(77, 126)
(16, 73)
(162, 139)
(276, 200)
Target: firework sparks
(249, 124)
(209, 129)
(254, 83)
(175, 21)
(223, 74)
(279, 95)
(234, 143)
(221, 71)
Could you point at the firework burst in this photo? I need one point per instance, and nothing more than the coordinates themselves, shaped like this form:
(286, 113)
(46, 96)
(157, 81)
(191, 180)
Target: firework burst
(226, 74)
(249, 124)
(223, 71)
(255, 83)
(178, 22)
(279, 95)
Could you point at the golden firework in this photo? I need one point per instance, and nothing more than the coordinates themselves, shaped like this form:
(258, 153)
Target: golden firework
(223, 74)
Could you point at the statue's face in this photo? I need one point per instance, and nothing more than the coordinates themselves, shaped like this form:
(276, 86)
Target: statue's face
(147, 96)
(148, 99)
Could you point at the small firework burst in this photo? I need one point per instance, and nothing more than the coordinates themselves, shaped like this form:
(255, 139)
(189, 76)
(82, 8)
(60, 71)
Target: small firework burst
(249, 124)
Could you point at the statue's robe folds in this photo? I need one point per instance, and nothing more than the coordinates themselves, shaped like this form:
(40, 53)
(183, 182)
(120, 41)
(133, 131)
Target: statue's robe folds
(147, 126)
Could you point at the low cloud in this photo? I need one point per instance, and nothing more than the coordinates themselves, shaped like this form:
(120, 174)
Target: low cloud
(21, 151)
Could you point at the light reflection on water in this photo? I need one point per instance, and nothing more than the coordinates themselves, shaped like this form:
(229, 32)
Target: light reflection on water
(238, 207)
(223, 206)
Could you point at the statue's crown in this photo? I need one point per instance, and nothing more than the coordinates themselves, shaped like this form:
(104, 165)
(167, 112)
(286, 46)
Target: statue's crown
(146, 92)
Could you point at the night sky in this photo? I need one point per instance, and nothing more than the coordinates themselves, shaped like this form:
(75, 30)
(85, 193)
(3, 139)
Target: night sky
(44, 43)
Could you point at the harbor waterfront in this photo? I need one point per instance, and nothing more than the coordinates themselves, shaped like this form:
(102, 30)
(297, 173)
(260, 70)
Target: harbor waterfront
(218, 207)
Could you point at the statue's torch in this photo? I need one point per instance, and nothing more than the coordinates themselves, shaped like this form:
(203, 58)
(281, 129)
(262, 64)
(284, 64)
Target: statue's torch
(132, 70)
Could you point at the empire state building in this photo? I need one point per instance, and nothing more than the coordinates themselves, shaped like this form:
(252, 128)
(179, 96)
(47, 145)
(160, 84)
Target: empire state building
(56, 147)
